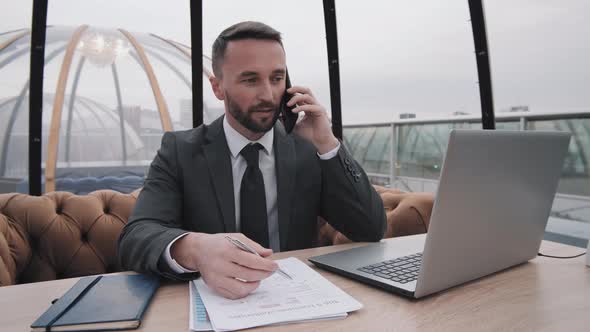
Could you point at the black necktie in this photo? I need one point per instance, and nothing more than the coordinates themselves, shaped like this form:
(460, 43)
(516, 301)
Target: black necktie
(253, 219)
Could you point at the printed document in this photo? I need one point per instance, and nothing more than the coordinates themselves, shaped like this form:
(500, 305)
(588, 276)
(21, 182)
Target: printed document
(309, 296)
(199, 319)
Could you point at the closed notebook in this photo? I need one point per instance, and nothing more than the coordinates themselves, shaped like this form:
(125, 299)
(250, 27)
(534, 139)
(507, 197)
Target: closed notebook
(102, 303)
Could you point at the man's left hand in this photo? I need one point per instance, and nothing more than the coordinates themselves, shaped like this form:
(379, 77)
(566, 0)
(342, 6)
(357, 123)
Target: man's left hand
(315, 125)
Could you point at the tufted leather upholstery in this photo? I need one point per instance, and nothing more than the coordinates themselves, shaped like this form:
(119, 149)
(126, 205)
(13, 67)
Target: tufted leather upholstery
(407, 214)
(62, 235)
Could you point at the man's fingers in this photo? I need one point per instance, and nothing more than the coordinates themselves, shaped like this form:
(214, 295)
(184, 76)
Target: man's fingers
(312, 110)
(254, 245)
(302, 99)
(237, 289)
(254, 262)
(266, 253)
(225, 293)
(299, 89)
(248, 274)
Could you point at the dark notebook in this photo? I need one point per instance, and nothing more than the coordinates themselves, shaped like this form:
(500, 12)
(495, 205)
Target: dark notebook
(102, 303)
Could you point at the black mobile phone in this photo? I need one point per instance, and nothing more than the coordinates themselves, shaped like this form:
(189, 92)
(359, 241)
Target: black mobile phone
(286, 115)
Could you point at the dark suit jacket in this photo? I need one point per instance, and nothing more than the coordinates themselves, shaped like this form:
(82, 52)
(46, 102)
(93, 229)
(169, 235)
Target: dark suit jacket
(189, 188)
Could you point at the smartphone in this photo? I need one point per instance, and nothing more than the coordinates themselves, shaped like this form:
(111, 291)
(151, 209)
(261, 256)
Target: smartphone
(286, 115)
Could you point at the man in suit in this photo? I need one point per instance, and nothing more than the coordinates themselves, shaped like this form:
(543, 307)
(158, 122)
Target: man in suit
(244, 175)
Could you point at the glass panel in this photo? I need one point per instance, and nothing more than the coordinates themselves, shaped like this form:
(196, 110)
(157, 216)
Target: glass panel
(123, 84)
(408, 57)
(171, 63)
(14, 95)
(539, 63)
(409, 60)
(575, 176)
(302, 29)
(507, 125)
(349, 135)
(540, 66)
(359, 150)
(352, 138)
(570, 215)
(422, 147)
(378, 150)
(375, 158)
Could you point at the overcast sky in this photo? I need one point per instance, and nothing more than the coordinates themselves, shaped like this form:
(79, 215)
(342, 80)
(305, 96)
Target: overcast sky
(395, 56)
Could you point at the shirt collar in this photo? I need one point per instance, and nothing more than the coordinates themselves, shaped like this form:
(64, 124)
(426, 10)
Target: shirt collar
(236, 142)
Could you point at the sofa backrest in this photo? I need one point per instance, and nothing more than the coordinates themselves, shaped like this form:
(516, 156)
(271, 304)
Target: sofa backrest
(63, 235)
(60, 235)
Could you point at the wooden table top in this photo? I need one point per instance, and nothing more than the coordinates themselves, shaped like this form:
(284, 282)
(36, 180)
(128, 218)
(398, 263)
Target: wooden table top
(544, 294)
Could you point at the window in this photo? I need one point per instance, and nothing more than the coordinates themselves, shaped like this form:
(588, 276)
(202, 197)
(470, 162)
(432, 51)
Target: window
(117, 76)
(14, 95)
(422, 148)
(573, 192)
(540, 66)
(538, 61)
(409, 60)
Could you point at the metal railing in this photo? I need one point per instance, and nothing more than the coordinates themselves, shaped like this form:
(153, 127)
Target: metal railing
(566, 204)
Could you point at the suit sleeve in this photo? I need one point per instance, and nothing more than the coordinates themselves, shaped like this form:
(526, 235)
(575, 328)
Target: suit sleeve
(157, 217)
(349, 202)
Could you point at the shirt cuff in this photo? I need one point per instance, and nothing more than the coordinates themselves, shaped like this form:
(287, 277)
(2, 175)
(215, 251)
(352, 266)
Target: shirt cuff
(330, 154)
(171, 261)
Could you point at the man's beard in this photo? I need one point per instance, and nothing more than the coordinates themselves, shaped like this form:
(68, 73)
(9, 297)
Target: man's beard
(245, 117)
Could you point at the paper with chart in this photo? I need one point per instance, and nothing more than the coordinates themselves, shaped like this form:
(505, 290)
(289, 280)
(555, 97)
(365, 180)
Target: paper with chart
(199, 319)
(279, 300)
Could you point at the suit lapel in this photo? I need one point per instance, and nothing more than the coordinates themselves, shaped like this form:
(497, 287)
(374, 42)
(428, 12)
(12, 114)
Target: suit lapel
(284, 148)
(219, 163)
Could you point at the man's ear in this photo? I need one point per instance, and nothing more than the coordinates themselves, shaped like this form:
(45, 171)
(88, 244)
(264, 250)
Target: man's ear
(216, 86)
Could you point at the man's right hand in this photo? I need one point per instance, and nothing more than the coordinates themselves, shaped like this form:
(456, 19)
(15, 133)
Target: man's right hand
(222, 265)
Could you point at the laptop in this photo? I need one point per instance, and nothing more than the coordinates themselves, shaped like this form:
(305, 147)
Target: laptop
(492, 204)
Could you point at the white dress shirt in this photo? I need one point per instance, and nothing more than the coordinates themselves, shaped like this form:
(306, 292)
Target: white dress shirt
(236, 142)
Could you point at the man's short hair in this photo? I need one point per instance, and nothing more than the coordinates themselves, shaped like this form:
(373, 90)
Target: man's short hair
(240, 31)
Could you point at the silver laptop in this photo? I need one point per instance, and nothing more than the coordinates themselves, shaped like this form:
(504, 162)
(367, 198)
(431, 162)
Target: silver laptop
(493, 201)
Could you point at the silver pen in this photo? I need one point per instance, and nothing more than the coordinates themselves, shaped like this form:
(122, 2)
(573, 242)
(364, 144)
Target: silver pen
(245, 247)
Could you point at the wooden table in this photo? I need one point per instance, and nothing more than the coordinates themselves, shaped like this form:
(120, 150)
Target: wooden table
(542, 295)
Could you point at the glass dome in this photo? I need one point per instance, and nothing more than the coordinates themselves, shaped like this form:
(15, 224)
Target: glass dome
(109, 95)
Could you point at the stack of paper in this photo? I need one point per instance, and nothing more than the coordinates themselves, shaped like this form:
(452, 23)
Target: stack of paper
(278, 300)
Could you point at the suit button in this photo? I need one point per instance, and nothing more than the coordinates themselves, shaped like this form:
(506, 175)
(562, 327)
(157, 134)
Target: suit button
(347, 161)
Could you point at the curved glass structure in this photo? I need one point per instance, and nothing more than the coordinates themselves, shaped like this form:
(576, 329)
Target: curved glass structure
(109, 95)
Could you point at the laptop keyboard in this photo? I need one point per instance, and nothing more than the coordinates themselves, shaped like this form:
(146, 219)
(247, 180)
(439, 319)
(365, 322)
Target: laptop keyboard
(403, 270)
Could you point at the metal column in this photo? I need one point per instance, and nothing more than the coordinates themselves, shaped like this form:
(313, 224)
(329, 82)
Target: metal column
(197, 60)
(483, 63)
(333, 66)
(36, 94)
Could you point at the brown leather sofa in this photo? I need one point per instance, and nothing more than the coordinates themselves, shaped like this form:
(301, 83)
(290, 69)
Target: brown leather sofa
(62, 235)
